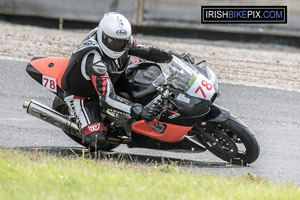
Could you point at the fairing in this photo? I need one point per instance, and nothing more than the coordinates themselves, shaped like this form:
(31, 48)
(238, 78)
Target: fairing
(172, 133)
(194, 88)
(48, 72)
(195, 81)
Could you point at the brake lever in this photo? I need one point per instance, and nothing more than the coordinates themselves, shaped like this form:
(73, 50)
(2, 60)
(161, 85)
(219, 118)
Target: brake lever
(200, 62)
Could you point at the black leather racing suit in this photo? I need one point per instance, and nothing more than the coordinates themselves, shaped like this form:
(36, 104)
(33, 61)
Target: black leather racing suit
(91, 75)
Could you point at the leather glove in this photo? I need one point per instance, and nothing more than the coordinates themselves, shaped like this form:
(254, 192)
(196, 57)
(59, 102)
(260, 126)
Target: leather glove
(188, 58)
(147, 114)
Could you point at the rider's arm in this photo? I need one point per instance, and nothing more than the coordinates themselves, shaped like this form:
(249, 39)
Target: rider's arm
(96, 70)
(155, 54)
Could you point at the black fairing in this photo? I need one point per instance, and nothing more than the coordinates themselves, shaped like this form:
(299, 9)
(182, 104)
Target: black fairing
(136, 83)
(217, 114)
(190, 112)
(34, 73)
(194, 107)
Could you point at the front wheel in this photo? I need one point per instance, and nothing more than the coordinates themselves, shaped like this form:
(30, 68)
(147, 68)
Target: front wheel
(231, 140)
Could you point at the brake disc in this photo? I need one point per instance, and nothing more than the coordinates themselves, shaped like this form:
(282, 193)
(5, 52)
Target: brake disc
(225, 144)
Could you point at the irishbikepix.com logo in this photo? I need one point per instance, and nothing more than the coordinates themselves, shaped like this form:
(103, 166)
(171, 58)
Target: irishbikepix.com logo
(244, 14)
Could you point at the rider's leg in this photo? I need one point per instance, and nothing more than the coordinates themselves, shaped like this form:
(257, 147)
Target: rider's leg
(87, 112)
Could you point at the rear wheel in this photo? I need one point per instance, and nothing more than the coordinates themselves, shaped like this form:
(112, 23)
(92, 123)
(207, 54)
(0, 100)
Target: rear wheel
(231, 140)
(62, 108)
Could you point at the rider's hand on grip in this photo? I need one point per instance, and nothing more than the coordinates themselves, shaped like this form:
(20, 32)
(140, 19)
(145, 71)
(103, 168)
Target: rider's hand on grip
(188, 58)
(147, 114)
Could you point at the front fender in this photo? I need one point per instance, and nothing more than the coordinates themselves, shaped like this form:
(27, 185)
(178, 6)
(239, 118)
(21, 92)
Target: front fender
(217, 114)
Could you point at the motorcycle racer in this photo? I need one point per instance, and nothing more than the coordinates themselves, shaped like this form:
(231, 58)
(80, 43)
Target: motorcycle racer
(96, 65)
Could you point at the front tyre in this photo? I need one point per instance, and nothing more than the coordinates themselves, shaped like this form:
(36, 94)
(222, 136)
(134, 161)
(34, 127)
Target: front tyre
(231, 140)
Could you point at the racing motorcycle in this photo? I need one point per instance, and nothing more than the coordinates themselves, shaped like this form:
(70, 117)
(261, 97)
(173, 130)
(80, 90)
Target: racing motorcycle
(189, 120)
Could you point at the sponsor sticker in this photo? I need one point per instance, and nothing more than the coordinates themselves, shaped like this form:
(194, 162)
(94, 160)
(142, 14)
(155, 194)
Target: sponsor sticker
(116, 113)
(174, 116)
(183, 98)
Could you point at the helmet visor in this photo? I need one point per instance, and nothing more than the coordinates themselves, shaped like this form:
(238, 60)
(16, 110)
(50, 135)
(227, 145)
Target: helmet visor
(114, 44)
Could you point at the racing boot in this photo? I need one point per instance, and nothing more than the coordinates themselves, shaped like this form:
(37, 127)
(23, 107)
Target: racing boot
(96, 133)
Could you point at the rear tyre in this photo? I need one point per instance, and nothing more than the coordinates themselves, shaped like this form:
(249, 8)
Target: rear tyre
(61, 107)
(234, 141)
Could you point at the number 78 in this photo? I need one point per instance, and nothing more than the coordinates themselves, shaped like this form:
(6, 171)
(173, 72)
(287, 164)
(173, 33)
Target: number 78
(206, 85)
(52, 83)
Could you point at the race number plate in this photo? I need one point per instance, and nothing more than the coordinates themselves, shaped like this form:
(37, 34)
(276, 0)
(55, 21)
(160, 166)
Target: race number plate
(50, 83)
(202, 88)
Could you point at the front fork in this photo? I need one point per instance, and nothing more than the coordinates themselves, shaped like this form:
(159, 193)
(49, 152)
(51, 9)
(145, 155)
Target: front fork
(217, 115)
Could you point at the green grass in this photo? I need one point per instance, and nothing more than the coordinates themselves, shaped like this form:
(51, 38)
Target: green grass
(37, 175)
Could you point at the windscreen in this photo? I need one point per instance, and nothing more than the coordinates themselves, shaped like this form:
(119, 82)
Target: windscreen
(188, 79)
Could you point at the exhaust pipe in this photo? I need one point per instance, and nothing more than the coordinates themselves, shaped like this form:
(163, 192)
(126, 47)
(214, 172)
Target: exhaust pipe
(61, 121)
(51, 116)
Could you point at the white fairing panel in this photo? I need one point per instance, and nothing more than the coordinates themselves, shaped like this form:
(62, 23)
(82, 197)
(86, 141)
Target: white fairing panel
(202, 88)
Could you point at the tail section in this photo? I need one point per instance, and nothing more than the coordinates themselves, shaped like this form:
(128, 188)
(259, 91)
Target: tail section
(48, 71)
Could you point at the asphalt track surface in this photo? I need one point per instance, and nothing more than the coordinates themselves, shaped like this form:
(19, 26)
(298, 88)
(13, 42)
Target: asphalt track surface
(272, 114)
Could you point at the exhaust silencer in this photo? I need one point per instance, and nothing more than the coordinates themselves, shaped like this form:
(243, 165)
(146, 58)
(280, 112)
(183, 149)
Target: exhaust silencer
(51, 116)
(55, 118)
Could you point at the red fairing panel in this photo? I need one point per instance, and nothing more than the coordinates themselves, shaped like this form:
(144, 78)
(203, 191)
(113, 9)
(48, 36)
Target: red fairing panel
(172, 133)
(51, 67)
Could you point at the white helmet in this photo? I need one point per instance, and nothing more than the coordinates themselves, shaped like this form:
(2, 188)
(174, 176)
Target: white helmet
(114, 32)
